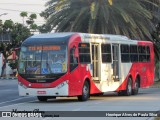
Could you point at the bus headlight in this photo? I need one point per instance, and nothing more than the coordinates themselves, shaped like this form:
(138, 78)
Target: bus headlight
(22, 85)
(62, 84)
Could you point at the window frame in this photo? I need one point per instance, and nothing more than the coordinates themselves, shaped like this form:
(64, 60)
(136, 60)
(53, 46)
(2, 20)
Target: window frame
(83, 53)
(123, 54)
(106, 53)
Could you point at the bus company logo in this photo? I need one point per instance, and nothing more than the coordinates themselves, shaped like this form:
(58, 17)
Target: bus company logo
(6, 114)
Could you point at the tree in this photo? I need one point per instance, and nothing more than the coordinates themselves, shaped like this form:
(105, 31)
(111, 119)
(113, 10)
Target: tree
(32, 26)
(30, 20)
(125, 17)
(44, 28)
(23, 14)
(18, 33)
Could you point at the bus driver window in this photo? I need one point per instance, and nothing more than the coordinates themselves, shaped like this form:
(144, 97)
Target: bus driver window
(73, 59)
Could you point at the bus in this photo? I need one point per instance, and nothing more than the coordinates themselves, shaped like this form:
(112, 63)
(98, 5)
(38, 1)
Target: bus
(82, 64)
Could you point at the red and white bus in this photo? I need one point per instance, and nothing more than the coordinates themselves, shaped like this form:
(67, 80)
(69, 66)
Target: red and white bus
(81, 64)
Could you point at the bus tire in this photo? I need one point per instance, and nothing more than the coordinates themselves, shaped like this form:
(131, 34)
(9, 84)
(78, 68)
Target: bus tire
(128, 90)
(85, 92)
(42, 98)
(136, 87)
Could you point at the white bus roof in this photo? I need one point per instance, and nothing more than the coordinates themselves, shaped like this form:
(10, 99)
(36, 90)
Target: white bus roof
(87, 37)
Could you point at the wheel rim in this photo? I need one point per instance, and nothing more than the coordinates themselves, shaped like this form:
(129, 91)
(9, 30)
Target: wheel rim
(129, 86)
(136, 86)
(85, 90)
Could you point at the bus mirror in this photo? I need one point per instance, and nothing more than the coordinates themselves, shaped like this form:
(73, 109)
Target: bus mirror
(76, 53)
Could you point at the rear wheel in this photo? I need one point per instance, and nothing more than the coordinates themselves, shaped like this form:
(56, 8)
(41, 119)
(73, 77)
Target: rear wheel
(136, 87)
(128, 90)
(85, 92)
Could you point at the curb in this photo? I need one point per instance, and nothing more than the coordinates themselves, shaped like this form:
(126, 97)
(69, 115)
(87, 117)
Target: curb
(12, 78)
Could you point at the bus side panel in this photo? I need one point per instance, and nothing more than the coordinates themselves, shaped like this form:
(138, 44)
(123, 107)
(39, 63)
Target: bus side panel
(124, 81)
(147, 68)
(81, 73)
(144, 69)
(76, 81)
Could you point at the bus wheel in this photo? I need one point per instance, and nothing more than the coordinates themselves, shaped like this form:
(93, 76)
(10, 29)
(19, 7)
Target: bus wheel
(128, 90)
(42, 98)
(85, 92)
(136, 87)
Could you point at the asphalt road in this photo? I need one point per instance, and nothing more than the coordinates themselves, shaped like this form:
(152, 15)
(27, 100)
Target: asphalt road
(147, 100)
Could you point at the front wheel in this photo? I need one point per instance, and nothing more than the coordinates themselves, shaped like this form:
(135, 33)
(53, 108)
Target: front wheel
(85, 92)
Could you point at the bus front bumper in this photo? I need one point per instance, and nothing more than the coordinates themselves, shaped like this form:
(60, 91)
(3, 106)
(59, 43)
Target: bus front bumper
(60, 90)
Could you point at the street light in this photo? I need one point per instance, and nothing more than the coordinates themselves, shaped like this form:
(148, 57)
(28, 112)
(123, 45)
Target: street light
(3, 14)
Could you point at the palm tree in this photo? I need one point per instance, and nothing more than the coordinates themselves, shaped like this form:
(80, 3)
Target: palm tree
(23, 14)
(125, 17)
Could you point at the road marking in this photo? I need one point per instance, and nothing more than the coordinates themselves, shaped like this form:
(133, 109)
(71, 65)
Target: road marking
(13, 100)
(8, 90)
(97, 103)
(78, 109)
(17, 104)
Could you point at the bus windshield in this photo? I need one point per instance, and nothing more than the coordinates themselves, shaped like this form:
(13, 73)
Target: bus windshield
(51, 59)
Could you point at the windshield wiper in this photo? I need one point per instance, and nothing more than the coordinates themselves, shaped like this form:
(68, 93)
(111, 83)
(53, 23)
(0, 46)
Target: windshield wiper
(48, 67)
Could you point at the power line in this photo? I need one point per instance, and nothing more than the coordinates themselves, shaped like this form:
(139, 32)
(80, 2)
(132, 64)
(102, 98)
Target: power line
(18, 10)
(22, 4)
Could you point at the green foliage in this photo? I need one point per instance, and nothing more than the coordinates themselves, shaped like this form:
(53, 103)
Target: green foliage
(23, 14)
(33, 26)
(44, 28)
(125, 17)
(33, 16)
(156, 41)
(30, 20)
(17, 33)
(7, 26)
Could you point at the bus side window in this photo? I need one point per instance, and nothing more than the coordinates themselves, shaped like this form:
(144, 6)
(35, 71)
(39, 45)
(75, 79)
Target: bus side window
(148, 54)
(134, 53)
(142, 53)
(84, 53)
(106, 53)
(73, 59)
(125, 53)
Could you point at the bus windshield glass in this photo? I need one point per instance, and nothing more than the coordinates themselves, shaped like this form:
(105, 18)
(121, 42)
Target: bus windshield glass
(49, 59)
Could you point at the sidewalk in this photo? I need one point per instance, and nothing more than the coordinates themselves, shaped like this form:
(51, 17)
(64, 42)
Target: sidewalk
(7, 78)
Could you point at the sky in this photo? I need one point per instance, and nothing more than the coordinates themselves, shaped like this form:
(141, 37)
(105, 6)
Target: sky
(13, 8)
